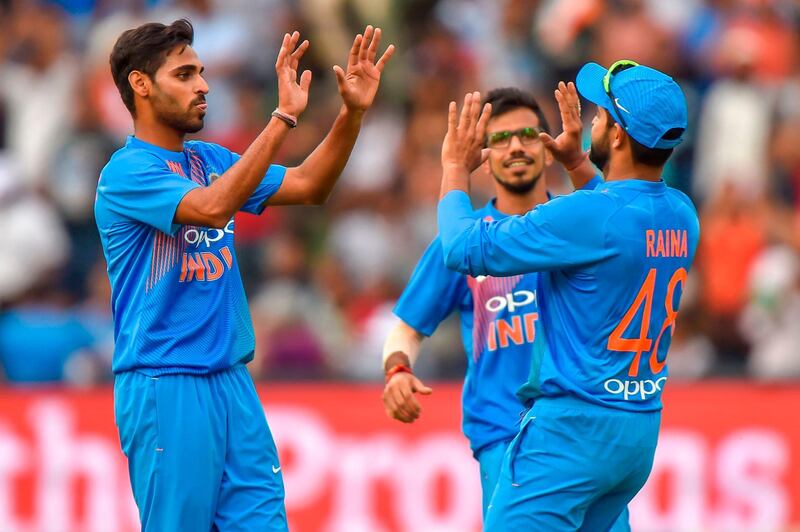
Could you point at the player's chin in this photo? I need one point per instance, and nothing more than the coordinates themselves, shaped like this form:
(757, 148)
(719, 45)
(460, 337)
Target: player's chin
(520, 178)
(194, 126)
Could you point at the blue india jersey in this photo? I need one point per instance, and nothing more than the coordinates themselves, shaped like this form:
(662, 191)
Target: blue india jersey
(613, 265)
(176, 293)
(498, 325)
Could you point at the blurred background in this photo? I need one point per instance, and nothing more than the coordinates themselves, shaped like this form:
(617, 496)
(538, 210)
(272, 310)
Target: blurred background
(322, 281)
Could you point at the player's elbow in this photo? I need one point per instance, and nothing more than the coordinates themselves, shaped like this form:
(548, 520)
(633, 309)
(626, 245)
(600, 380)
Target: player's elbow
(212, 213)
(312, 188)
(198, 209)
(217, 216)
(317, 196)
(218, 222)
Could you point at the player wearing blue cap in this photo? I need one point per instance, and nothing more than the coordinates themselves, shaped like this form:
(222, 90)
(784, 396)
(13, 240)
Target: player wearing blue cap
(200, 453)
(497, 314)
(614, 261)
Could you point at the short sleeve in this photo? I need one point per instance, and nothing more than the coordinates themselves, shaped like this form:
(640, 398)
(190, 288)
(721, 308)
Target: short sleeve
(432, 293)
(143, 191)
(272, 181)
(268, 186)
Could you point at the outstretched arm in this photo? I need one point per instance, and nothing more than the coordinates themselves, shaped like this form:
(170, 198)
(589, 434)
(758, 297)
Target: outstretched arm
(214, 205)
(312, 181)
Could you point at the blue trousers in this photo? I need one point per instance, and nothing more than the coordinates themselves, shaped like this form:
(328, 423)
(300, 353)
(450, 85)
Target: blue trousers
(200, 454)
(573, 466)
(490, 460)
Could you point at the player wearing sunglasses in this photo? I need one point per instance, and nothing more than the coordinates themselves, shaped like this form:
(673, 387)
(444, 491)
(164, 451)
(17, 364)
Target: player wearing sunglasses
(613, 263)
(497, 315)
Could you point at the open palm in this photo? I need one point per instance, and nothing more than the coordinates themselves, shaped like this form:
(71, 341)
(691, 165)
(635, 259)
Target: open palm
(566, 147)
(292, 92)
(359, 84)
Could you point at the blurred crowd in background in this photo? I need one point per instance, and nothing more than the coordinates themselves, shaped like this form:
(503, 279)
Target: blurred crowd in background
(322, 281)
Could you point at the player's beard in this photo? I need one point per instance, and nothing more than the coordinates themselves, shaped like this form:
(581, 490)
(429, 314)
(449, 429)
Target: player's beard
(169, 112)
(519, 188)
(599, 153)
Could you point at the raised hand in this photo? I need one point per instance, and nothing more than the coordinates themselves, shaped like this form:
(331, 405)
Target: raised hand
(566, 147)
(292, 95)
(462, 148)
(398, 397)
(359, 84)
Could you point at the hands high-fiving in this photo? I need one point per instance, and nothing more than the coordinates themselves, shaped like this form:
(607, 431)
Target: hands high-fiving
(292, 94)
(566, 147)
(359, 83)
(463, 144)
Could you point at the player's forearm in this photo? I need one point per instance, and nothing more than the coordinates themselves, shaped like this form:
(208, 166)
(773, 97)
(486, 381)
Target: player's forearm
(581, 174)
(401, 346)
(322, 168)
(456, 219)
(215, 205)
(454, 178)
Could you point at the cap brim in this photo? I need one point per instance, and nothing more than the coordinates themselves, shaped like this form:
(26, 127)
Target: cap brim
(589, 83)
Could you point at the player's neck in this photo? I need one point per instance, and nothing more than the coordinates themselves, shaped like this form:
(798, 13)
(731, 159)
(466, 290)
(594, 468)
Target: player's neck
(619, 170)
(158, 134)
(512, 204)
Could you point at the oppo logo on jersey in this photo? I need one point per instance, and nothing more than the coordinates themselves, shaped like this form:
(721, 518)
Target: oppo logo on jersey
(511, 301)
(637, 390)
(196, 235)
(516, 330)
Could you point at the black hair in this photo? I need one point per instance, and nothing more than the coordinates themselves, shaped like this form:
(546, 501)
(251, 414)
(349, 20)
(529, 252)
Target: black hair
(641, 154)
(507, 99)
(145, 49)
(657, 157)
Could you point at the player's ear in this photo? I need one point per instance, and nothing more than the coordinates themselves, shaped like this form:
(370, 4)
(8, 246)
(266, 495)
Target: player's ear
(140, 83)
(548, 157)
(484, 167)
(617, 136)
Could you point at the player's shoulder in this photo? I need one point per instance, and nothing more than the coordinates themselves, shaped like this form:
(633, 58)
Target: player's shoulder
(434, 247)
(488, 212)
(585, 203)
(686, 212)
(432, 263)
(682, 198)
(127, 160)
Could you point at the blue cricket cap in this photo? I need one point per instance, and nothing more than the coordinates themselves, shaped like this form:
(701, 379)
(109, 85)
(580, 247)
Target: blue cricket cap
(651, 101)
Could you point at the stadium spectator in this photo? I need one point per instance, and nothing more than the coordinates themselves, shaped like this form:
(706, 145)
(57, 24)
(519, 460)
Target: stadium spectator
(737, 60)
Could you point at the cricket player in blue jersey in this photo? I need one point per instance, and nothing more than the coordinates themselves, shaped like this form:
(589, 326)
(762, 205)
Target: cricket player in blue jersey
(613, 262)
(498, 315)
(200, 453)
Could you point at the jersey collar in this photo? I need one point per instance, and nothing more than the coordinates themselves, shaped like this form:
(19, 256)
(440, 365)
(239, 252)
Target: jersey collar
(133, 142)
(652, 187)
